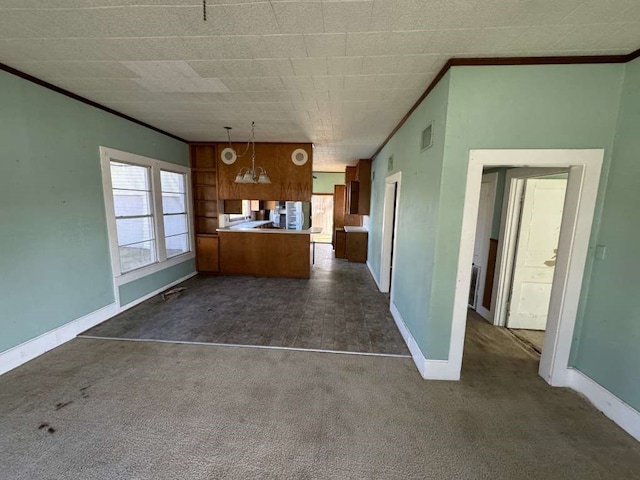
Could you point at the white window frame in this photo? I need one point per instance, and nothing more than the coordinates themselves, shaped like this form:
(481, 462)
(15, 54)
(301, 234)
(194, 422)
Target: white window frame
(107, 155)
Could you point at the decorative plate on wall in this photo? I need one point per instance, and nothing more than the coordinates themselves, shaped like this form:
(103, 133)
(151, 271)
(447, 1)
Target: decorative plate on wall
(228, 156)
(299, 156)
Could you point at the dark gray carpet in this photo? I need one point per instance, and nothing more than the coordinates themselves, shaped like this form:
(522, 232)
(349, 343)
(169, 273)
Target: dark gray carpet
(338, 309)
(125, 410)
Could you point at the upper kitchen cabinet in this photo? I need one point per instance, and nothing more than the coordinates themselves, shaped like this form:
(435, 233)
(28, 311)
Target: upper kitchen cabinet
(288, 165)
(358, 181)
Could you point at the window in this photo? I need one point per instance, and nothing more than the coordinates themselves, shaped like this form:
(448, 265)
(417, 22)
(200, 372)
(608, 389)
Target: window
(174, 206)
(132, 203)
(245, 215)
(148, 214)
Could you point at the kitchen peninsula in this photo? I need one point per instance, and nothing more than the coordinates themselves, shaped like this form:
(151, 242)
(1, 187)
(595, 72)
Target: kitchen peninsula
(224, 247)
(256, 248)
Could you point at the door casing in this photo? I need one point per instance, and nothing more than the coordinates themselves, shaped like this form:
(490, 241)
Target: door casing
(584, 166)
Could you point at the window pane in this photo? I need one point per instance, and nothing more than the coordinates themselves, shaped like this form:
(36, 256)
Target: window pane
(131, 177)
(177, 245)
(131, 203)
(134, 230)
(173, 203)
(175, 224)
(137, 255)
(172, 182)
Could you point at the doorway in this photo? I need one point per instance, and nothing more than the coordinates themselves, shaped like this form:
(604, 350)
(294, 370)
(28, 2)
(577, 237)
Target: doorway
(389, 232)
(584, 167)
(538, 205)
(322, 208)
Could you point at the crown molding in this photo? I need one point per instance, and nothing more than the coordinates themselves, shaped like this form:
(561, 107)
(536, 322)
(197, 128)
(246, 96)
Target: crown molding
(504, 61)
(67, 93)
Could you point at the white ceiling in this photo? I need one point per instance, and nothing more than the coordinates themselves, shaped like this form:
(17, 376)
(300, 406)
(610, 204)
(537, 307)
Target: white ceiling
(340, 74)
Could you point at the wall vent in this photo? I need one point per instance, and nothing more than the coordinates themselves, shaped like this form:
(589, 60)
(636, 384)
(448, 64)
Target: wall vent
(427, 138)
(390, 164)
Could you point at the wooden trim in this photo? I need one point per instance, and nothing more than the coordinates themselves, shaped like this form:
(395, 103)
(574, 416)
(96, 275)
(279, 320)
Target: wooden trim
(91, 103)
(240, 142)
(503, 61)
(633, 55)
(431, 86)
(326, 194)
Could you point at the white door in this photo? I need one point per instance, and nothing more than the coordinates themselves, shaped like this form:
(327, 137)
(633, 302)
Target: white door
(483, 234)
(536, 249)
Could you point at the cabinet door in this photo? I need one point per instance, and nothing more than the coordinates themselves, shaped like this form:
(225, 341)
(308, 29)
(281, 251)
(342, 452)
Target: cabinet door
(340, 246)
(207, 254)
(356, 246)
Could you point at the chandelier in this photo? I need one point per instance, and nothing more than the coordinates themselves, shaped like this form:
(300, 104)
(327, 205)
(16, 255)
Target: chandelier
(246, 174)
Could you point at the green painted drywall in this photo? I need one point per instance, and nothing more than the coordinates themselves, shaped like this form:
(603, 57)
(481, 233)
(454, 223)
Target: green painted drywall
(551, 106)
(54, 253)
(608, 349)
(132, 291)
(555, 106)
(417, 211)
(323, 182)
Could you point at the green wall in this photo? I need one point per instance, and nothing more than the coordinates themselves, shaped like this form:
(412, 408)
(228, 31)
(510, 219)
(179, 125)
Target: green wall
(54, 253)
(132, 291)
(608, 345)
(551, 106)
(323, 182)
(417, 211)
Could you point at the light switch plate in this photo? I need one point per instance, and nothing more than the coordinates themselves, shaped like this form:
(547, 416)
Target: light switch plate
(601, 251)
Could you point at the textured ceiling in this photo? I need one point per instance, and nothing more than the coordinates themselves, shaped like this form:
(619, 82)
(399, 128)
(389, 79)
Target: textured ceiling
(340, 74)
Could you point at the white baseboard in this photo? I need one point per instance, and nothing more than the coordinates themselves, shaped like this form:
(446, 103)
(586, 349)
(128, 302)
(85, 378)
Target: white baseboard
(373, 275)
(429, 369)
(155, 292)
(20, 354)
(627, 417)
(16, 356)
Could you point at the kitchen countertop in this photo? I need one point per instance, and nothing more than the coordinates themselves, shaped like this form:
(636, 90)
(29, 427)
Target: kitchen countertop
(354, 229)
(255, 226)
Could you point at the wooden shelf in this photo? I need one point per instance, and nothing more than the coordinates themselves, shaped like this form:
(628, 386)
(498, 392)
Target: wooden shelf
(203, 156)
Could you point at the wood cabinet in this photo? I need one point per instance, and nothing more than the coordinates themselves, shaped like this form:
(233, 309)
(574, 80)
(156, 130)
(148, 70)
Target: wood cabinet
(288, 181)
(358, 181)
(271, 254)
(340, 244)
(204, 188)
(356, 246)
(207, 253)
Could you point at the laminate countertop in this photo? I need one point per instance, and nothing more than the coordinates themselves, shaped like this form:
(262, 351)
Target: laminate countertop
(258, 226)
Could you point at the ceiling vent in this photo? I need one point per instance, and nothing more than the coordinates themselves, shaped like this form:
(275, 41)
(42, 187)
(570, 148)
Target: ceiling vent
(427, 138)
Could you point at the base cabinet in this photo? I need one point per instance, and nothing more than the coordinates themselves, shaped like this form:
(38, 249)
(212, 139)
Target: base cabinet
(340, 245)
(356, 246)
(207, 256)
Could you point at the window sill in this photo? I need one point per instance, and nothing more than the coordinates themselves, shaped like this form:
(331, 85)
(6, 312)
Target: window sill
(153, 268)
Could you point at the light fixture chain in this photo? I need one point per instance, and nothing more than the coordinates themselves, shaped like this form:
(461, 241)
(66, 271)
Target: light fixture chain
(204, 10)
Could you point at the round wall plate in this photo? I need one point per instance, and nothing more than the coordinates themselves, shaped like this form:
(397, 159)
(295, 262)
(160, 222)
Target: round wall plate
(228, 156)
(299, 156)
